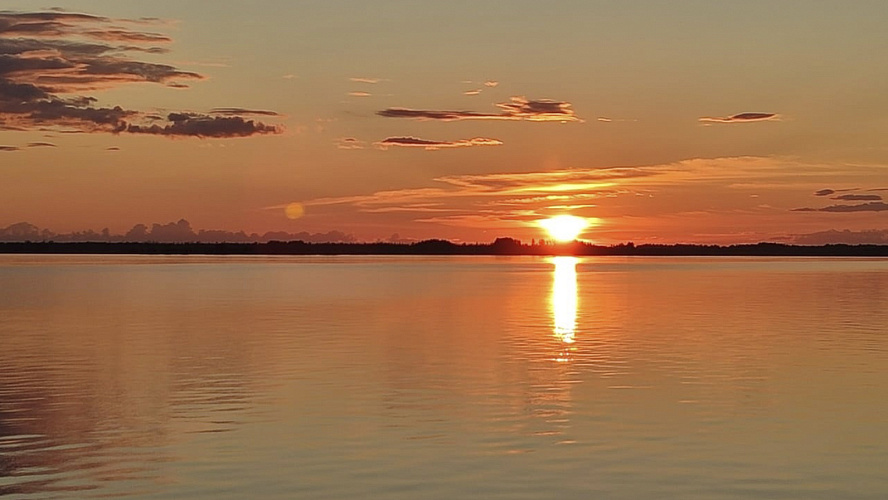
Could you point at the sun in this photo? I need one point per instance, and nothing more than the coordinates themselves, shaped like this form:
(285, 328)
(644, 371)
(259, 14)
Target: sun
(564, 227)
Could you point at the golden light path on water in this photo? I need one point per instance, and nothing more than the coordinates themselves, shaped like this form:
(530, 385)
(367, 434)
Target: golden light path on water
(564, 298)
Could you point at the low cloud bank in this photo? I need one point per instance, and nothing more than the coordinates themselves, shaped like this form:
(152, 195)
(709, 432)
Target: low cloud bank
(173, 232)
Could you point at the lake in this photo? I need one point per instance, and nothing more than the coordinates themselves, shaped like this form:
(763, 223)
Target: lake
(443, 377)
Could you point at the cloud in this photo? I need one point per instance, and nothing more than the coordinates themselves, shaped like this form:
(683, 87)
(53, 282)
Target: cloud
(10, 148)
(491, 83)
(857, 197)
(359, 93)
(413, 142)
(607, 119)
(874, 206)
(349, 143)
(242, 111)
(199, 125)
(41, 145)
(741, 118)
(371, 81)
(518, 108)
(824, 192)
(173, 232)
(542, 187)
(472, 92)
(47, 59)
(848, 237)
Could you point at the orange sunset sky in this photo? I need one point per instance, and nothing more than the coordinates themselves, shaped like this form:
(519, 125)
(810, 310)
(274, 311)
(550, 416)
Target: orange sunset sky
(680, 121)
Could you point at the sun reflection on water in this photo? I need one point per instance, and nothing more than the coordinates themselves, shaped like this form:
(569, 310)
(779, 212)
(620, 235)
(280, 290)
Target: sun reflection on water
(564, 298)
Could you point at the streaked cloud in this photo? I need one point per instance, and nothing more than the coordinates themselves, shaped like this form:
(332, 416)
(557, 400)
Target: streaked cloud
(857, 197)
(45, 65)
(491, 83)
(741, 118)
(242, 111)
(607, 119)
(846, 236)
(359, 93)
(518, 108)
(875, 206)
(472, 92)
(414, 142)
(41, 145)
(10, 148)
(824, 192)
(371, 81)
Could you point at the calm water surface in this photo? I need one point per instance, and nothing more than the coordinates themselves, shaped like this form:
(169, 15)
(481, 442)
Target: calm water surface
(450, 378)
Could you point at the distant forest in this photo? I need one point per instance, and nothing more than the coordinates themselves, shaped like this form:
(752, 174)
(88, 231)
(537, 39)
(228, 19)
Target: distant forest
(502, 246)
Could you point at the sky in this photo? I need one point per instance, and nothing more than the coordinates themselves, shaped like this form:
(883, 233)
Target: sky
(659, 122)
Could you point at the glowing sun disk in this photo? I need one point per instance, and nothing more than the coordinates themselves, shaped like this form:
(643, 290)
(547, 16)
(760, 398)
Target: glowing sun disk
(564, 227)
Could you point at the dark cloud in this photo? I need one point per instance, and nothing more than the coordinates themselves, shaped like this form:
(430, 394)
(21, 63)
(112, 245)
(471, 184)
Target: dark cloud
(242, 111)
(741, 118)
(45, 65)
(874, 206)
(197, 125)
(518, 108)
(41, 145)
(824, 192)
(857, 197)
(9, 148)
(414, 142)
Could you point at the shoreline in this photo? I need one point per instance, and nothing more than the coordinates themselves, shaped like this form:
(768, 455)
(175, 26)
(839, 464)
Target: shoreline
(502, 246)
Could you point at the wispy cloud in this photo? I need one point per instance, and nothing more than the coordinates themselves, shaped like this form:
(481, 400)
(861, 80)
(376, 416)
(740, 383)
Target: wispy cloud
(741, 118)
(349, 143)
(47, 59)
(414, 142)
(41, 145)
(491, 83)
(472, 92)
(518, 108)
(607, 119)
(359, 93)
(824, 192)
(10, 148)
(371, 81)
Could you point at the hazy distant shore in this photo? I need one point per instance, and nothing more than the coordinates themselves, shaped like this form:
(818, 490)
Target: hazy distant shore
(502, 246)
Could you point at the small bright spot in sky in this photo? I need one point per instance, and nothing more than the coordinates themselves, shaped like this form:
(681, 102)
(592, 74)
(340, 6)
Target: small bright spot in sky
(564, 227)
(294, 210)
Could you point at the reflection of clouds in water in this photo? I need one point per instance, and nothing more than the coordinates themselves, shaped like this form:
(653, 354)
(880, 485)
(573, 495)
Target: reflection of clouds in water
(564, 298)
